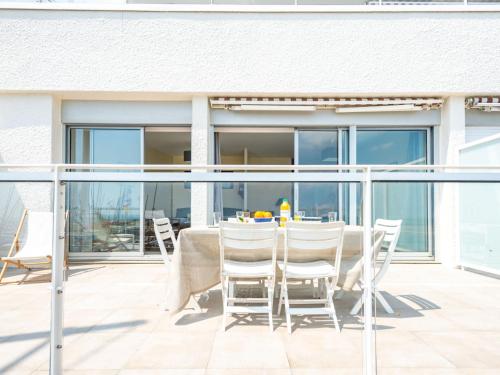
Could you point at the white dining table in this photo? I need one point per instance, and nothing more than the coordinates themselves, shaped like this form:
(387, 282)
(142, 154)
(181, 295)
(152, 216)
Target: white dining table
(195, 265)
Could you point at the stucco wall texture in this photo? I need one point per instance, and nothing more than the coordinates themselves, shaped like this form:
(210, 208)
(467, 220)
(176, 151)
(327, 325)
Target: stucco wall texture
(433, 53)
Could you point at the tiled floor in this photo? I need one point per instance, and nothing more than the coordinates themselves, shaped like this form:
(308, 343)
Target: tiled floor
(446, 322)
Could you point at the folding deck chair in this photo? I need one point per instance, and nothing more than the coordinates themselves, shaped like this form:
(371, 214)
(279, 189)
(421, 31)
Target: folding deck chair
(37, 250)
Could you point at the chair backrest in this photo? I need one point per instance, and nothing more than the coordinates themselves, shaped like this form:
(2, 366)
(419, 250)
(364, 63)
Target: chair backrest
(164, 231)
(154, 214)
(39, 236)
(248, 237)
(325, 240)
(392, 230)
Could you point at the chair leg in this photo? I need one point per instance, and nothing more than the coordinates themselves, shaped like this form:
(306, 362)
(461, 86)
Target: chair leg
(270, 296)
(225, 287)
(329, 292)
(197, 306)
(287, 307)
(357, 306)
(4, 268)
(280, 304)
(378, 296)
(231, 290)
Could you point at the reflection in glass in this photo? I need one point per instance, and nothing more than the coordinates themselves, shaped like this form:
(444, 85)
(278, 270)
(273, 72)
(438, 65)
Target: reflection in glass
(104, 216)
(253, 148)
(166, 199)
(318, 148)
(393, 200)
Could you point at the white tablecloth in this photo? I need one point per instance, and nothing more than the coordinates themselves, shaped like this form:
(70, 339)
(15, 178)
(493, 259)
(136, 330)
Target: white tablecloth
(195, 267)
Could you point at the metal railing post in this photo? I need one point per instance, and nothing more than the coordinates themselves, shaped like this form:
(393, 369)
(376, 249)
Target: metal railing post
(57, 309)
(369, 365)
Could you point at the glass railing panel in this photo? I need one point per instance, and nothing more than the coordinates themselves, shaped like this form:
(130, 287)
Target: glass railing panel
(314, 343)
(442, 315)
(104, 217)
(25, 226)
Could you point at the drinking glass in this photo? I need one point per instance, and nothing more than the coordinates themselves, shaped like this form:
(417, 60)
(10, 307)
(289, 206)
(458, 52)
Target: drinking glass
(332, 216)
(217, 218)
(239, 215)
(299, 215)
(246, 216)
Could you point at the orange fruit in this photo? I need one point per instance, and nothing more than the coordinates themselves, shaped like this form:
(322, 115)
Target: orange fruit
(268, 214)
(259, 214)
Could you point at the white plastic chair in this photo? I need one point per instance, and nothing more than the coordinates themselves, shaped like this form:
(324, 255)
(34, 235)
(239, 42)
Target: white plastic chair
(325, 240)
(164, 231)
(38, 246)
(237, 239)
(391, 229)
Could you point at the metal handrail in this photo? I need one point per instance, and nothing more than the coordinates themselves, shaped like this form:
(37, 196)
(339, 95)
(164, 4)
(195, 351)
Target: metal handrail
(250, 167)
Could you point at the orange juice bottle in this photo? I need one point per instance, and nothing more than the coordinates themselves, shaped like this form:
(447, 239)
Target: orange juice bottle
(284, 212)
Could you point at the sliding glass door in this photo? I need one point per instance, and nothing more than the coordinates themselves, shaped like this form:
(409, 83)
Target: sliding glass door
(104, 217)
(320, 147)
(395, 200)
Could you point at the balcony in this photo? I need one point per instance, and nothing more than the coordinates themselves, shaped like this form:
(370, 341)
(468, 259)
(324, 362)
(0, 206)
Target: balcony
(444, 319)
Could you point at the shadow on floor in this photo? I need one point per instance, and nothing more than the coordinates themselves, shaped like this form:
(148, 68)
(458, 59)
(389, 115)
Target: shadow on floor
(46, 335)
(40, 275)
(213, 308)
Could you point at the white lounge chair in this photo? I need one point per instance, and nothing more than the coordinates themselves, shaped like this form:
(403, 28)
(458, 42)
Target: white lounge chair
(37, 250)
(325, 240)
(391, 229)
(241, 238)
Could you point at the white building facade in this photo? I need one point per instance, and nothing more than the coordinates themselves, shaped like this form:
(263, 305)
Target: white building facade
(172, 84)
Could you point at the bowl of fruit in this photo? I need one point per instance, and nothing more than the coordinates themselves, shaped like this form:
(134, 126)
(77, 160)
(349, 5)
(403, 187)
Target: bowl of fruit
(263, 217)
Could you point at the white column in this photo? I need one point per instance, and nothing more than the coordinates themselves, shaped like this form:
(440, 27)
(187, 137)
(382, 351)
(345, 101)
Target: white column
(201, 153)
(450, 136)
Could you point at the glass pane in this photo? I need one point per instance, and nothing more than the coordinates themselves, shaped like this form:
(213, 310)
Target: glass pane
(391, 147)
(437, 318)
(165, 199)
(409, 202)
(253, 148)
(479, 219)
(104, 216)
(116, 146)
(317, 148)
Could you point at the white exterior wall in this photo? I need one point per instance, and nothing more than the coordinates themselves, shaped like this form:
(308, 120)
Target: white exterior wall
(331, 53)
(27, 130)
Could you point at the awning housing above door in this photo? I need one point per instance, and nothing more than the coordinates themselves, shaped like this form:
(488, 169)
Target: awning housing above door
(339, 105)
(486, 103)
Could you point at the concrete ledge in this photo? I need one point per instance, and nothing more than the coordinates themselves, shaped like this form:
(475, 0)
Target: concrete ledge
(255, 8)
